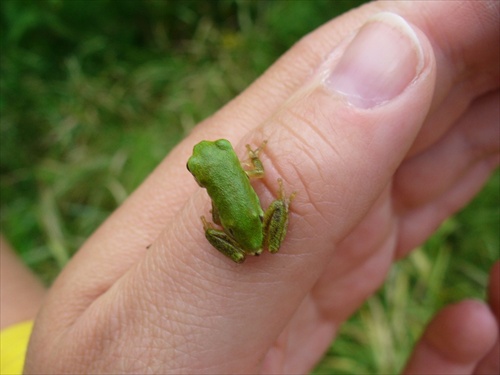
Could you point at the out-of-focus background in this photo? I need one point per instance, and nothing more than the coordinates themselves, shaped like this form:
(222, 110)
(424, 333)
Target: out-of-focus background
(94, 93)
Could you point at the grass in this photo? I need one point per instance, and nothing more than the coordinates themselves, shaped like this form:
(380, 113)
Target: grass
(88, 109)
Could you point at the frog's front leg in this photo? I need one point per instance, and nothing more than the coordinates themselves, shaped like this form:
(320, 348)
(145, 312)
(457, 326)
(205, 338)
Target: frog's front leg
(222, 242)
(257, 170)
(276, 220)
(215, 215)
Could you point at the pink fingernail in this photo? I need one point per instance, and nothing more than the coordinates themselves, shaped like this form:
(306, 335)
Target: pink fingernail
(379, 63)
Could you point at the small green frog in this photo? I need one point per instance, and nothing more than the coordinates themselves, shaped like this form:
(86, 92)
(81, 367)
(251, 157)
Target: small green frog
(246, 229)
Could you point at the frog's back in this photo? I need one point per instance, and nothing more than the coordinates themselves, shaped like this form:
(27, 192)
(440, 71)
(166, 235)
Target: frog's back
(226, 182)
(220, 172)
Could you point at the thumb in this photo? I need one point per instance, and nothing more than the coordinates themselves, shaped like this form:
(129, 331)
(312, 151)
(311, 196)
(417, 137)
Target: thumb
(342, 136)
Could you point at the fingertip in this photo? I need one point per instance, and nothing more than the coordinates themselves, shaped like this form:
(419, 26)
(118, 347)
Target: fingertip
(494, 289)
(456, 340)
(463, 332)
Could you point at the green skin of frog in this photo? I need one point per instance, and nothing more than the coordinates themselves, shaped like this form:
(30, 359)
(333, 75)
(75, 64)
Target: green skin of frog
(246, 228)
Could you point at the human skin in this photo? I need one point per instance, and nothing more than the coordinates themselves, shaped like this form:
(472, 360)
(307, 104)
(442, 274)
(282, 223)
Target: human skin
(379, 155)
(22, 293)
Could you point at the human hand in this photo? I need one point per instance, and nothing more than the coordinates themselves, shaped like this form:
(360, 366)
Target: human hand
(379, 154)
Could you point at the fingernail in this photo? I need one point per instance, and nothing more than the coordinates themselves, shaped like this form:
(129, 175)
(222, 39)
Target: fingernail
(379, 63)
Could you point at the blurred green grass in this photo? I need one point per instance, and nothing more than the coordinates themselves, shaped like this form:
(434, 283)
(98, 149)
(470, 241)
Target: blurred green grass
(94, 94)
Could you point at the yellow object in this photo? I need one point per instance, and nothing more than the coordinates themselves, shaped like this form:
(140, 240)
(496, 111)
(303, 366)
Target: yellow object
(13, 344)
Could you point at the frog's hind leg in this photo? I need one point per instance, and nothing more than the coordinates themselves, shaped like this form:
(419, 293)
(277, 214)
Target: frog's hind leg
(222, 242)
(276, 220)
